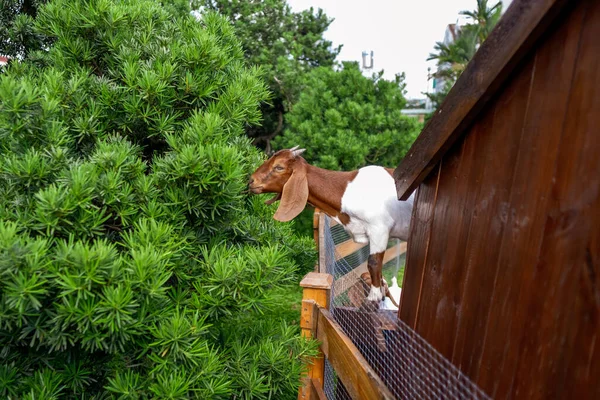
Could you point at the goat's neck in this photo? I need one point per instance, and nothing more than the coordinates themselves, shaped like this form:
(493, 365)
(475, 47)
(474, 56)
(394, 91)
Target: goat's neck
(326, 188)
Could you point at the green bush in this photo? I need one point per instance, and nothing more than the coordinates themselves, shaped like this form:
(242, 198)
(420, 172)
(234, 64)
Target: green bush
(132, 263)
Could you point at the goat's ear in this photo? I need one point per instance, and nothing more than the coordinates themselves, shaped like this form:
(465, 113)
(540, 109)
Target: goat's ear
(293, 197)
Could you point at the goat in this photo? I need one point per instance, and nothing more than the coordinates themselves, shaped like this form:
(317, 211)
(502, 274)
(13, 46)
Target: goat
(364, 201)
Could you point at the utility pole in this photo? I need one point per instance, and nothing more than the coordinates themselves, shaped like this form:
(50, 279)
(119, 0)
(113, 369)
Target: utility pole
(368, 67)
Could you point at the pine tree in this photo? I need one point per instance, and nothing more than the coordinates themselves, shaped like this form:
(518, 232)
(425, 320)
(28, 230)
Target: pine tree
(133, 264)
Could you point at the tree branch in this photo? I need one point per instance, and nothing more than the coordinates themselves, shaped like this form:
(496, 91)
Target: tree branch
(267, 138)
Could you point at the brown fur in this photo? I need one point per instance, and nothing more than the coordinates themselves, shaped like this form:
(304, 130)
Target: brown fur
(325, 188)
(373, 262)
(296, 183)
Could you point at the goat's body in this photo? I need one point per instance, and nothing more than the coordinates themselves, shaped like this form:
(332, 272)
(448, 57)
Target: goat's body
(363, 201)
(375, 213)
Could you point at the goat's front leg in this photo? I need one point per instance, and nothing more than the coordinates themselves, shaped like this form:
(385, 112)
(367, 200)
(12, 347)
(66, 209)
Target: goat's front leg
(375, 264)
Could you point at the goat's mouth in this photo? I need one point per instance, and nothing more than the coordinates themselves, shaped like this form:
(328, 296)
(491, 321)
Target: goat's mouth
(259, 190)
(274, 199)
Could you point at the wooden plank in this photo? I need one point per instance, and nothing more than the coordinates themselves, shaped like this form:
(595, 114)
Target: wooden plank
(516, 33)
(315, 280)
(467, 276)
(316, 390)
(586, 368)
(517, 300)
(510, 144)
(316, 292)
(343, 283)
(352, 369)
(439, 309)
(308, 318)
(316, 218)
(346, 248)
(322, 249)
(316, 237)
(418, 243)
(483, 164)
(316, 366)
(568, 325)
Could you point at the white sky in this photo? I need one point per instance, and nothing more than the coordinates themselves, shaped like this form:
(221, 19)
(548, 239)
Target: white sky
(401, 33)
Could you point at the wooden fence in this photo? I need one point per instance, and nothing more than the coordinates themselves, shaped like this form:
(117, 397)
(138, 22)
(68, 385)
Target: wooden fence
(360, 380)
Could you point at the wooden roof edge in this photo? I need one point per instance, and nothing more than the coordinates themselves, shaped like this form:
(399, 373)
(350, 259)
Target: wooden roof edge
(516, 33)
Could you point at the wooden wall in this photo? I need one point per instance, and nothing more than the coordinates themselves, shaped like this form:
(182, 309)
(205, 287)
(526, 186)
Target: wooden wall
(503, 267)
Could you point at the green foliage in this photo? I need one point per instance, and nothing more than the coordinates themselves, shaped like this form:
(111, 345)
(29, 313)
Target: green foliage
(454, 57)
(133, 264)
(346, 120)
(285, 44)
(484, 18)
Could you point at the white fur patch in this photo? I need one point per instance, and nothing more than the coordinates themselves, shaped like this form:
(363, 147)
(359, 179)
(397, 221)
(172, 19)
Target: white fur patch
(375, 294)
(375, 212)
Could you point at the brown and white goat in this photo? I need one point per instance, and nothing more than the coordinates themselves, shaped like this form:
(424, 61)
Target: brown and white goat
(363, 201)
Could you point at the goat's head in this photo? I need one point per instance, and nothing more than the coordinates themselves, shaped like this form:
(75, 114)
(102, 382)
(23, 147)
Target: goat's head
(285, 174)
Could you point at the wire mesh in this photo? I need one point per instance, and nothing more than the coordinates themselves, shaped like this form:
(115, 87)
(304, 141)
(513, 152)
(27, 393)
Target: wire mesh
(409, 366)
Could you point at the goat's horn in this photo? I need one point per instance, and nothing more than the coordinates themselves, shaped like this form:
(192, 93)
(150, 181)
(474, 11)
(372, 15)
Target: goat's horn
(296, 151)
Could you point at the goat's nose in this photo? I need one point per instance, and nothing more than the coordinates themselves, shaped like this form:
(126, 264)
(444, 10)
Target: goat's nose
(251, 181)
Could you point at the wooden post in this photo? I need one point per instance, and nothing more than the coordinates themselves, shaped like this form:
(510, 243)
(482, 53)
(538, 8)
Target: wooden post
(316, 217)
(319, 236)
(321, 245)
(317, 288)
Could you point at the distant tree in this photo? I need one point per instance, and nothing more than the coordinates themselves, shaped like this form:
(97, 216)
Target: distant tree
(452, 58)
(346, 120)
(17, 37)
(132, 263)
(285, 44)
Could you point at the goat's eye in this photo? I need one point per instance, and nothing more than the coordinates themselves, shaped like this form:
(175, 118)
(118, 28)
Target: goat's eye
(279, 168)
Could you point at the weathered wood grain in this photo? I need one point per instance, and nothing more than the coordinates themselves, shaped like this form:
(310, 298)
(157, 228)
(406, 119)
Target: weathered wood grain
(512, 39)
(353, 370)
(418, 246)
(517, 299)
(569, 325)
(441, 287)
(316, 390)
(506, 247)
(316, 293)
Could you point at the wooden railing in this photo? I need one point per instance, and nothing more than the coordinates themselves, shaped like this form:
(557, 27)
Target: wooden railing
(359, 379)
(346, 248)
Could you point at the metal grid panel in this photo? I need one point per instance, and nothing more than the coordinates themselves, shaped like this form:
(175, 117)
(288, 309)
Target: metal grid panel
(405, 362)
